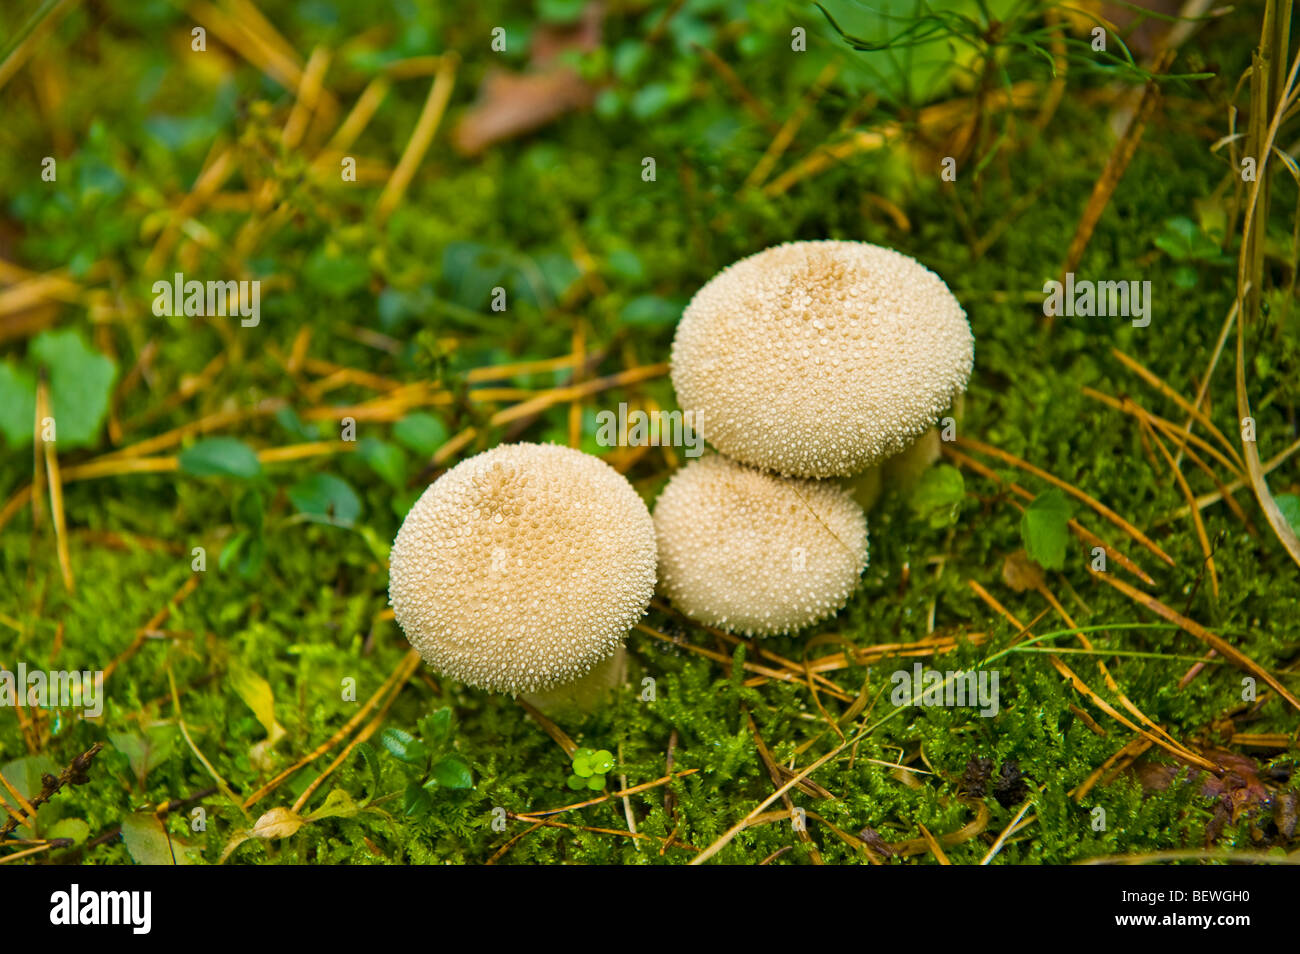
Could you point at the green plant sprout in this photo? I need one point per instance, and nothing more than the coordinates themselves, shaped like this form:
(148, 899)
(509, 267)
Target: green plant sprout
(590, 768)
(1187, 243)
(427, 761)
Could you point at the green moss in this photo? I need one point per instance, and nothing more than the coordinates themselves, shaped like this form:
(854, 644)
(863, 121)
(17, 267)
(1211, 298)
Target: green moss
(305, 619)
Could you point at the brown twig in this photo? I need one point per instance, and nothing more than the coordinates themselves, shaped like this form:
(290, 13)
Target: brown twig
(74, 774)
(775, 774)
(1224, 648)
(334, 739)
(1070, 489)
(738, 88)
(1078, 529)
(1113, 171)
(1196, 413)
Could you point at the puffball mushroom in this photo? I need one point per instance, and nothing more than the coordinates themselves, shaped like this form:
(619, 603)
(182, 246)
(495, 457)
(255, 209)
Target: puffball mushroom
(523, 568)
(820, 359)
(756, 553)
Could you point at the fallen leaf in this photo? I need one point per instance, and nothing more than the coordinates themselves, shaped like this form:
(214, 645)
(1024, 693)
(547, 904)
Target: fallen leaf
(1238, 791)
(1021, 573)
(257, 695)
(511, 104)
(277, 823)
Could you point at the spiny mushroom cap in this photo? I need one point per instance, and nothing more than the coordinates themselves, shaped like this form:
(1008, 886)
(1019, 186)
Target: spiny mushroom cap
(755, 553)
(816, 359)
(522, 567)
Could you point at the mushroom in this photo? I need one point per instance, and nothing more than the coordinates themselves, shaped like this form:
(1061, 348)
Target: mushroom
(756, 553)
(820, 359)
(523, 568)
(905, 468)
(902, 472)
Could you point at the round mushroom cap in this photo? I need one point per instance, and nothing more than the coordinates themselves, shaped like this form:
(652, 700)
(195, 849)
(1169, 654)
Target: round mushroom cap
(755, 553)
(819, 359)
(523, 567)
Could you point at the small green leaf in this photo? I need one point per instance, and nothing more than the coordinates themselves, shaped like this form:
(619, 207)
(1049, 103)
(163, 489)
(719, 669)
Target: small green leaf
(581, 768)
(17, 404)
(326, 499)
(560, 11)
(338, 804)
(335, 273)
(149, 843)
(384, 459)
(404, 746)
(1044, 529)
(415, 800)
(145, 751)
(1173, 246)
(288, 418)
(596, 783)
(582, 754)
(25, 774)
(230, 552)
(576, 783)
(379, 547)
(472, 270)
(1179, 236)
(938, 496)
(435, 728)
(249, 509)
(72, 828)
(1289, 504)
(256, 694)
(629, 56)
(254, 554)
(81, 380)
(558, 270)
(220, 457)
(452, 773)
(602, 762)
(650, 100)
(395, 306)
(626, 264)
(421, 433)
(371, 758)
(244, 552)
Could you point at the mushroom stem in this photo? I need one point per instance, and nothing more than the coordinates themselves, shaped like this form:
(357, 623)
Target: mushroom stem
(905, 468)
(865, 486)
(898, 473)
(585, 694)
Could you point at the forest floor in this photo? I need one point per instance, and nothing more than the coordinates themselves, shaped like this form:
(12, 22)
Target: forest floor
(207, 532)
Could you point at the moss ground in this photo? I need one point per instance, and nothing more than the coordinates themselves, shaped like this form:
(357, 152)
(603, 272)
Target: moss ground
(565, 222)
